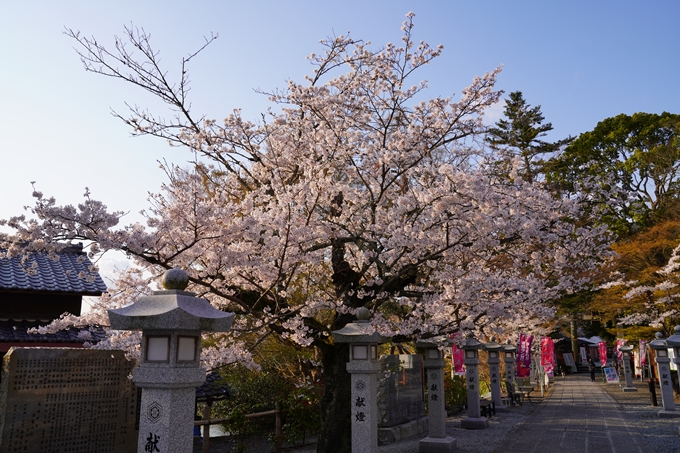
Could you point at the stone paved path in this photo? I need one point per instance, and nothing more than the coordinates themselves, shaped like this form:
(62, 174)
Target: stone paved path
(578, 417)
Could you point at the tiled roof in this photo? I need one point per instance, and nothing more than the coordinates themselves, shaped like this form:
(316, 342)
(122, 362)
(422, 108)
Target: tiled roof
(213, 388)
(14, 331)
(69, 274)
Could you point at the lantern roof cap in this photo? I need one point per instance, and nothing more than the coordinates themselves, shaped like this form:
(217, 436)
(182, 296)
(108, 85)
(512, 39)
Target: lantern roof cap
(434, 342)
(492, 345)
(171, 309)
(626, 348)
(674, 340)
(471, 343)
(659, 342)
(359, 331)
(509, 347)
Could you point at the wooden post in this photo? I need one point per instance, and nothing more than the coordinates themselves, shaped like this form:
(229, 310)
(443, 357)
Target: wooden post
(206, 427)
(279, 435)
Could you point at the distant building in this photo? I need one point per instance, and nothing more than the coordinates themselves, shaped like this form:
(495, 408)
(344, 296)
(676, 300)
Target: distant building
(35, 299)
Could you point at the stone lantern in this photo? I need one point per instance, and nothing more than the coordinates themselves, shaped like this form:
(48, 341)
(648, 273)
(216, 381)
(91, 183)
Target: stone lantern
(437, 441)
(627, 369)
(364, 367)
(171, 322)
(663, 370)
(509, 357)
(674, 342)
(493, 350)
(474, 420)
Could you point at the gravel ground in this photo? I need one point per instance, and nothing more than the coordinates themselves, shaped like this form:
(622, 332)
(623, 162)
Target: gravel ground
(661, 434)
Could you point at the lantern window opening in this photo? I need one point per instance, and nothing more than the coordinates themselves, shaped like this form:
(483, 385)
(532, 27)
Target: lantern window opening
(186, 348)
(360, 352)
(157, 348)
(433, 353)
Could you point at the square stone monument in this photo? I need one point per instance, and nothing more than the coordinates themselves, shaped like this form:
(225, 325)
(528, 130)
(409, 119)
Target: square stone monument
(67, 400)
(402, 398)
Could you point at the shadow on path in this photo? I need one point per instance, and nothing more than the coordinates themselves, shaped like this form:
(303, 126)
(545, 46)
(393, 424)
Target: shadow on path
(578, 416)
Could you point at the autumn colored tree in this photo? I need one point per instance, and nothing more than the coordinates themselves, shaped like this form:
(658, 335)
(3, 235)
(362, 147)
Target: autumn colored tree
(639, 296)
(352, 192)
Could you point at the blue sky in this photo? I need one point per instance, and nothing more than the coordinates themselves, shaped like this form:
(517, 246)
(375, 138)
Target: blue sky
(582, 61)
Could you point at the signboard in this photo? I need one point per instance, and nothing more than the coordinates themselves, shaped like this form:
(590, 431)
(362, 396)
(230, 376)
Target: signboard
(67, 400)
(611, 375)
(568, 359)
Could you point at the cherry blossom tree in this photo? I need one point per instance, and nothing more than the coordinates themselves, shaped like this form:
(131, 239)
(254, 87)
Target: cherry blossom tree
(656, 305)
(355, 190)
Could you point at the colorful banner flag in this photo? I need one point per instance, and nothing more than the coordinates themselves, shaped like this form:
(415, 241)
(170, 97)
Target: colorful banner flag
(524, 355)
(619, 354)
(548, 354)
(602, 348)
(458, 358)
(643, 353)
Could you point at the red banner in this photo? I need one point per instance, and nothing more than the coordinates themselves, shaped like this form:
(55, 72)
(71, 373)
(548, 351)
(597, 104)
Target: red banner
(548, 354)
(457, 358)
(602, 348)
(524, 355)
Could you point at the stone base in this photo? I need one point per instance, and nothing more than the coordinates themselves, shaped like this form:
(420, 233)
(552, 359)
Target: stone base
(396, 433)
(474, 423)
(501, 408)
(630, 389)
(437, 445)
(669, 414)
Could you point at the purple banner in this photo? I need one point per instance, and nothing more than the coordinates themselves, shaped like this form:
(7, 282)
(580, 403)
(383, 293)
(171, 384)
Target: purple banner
(643, 353)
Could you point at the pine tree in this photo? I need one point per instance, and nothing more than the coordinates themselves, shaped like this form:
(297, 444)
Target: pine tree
(517, 136)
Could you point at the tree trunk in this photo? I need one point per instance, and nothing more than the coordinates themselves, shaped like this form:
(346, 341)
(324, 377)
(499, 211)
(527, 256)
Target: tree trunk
(336, 427)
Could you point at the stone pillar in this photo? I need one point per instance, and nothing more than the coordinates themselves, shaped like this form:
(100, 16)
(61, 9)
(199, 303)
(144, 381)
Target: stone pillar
(663, 370)
(493, 349)
(364, 367)
(171, 322)
(474, 419)
(627, 369)
(437, 441)
(674, 342)
(365, 415)
(509, 358)
(166, 412)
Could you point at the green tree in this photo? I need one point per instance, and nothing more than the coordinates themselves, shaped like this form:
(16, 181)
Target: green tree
(519, 134)
(629, 165)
